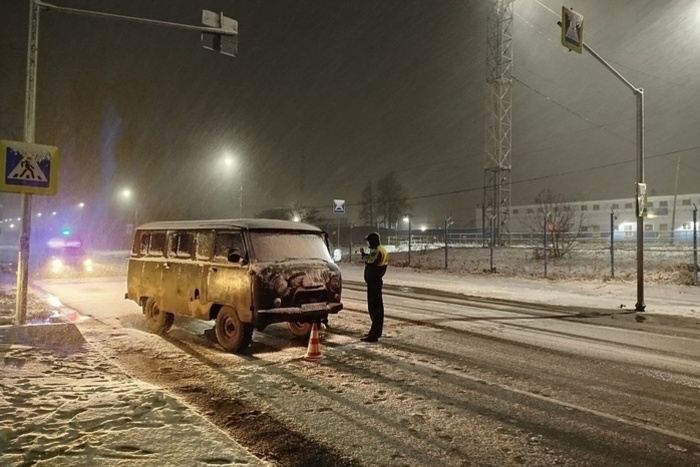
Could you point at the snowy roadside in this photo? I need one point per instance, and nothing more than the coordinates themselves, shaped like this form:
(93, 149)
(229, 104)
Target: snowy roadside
(680, 300)
(62, 404)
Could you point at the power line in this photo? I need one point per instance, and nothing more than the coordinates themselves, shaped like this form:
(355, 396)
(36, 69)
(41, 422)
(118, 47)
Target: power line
(533, 179)
(573, 112)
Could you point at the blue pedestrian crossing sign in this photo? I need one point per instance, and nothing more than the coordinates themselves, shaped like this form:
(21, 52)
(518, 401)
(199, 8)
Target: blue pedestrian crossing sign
(338, 206)
(28, 168)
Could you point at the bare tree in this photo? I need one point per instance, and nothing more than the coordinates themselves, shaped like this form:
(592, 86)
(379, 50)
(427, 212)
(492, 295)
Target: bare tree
(369, 205)
(561, 219)
(391, 200)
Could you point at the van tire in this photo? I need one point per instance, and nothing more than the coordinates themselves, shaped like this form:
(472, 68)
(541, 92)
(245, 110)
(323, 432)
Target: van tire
(158, 321)
(231, 333)
(300, 329)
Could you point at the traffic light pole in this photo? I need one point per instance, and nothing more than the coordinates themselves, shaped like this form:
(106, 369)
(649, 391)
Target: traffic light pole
(639, 93)
(229, 28)
(134, 19)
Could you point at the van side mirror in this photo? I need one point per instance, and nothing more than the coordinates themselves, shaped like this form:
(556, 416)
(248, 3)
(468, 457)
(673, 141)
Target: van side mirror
(234, 255)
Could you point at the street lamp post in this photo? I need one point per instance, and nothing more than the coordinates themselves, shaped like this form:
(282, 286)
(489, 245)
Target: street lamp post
(408, 219)
(127, 194)
(230, 163)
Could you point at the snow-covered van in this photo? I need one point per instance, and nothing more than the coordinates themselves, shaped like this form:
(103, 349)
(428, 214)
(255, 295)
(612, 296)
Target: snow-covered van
(242, 274)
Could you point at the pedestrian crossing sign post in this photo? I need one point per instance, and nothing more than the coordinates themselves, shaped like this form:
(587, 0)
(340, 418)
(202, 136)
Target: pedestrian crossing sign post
(338, 206)
(28, 168)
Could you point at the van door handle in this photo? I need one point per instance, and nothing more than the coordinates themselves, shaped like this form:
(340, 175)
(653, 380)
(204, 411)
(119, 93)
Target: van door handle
(166, 265)
(213, 269)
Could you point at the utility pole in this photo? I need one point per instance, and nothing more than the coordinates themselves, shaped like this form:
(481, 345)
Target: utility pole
(498, 140)
(675, 199)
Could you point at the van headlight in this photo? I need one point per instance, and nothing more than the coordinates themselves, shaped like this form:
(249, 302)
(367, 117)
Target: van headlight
(87, 264)
(279, 285)
(335, 283)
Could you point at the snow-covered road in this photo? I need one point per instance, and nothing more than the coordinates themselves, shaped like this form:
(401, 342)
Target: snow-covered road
(453, 383)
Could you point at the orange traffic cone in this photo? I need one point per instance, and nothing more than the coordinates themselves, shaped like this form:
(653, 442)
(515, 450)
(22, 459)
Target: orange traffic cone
(313, 353)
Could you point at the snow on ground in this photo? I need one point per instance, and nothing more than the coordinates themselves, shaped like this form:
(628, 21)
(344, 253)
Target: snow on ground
(62, 404)
(581, 279)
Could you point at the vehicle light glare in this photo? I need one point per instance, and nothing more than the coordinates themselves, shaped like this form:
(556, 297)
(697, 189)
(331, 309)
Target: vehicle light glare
(56, 265)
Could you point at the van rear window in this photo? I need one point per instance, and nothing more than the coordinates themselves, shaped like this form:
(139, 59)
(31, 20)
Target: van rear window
(140, 244)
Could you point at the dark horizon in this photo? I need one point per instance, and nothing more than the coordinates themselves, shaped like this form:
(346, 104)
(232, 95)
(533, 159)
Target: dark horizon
(325, 96)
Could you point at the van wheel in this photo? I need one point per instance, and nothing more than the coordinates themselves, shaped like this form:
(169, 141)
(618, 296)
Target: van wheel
(158, 321)
(300, 329)
(232, 334)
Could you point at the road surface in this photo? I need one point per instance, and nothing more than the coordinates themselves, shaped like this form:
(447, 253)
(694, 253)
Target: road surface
(454, 382)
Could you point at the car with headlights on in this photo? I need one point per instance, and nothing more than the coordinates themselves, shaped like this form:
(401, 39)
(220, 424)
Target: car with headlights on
(67, 256)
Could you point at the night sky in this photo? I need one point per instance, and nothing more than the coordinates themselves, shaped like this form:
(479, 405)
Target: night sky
(328, 94)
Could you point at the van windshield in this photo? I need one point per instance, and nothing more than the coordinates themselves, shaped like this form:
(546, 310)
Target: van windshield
(284, 246)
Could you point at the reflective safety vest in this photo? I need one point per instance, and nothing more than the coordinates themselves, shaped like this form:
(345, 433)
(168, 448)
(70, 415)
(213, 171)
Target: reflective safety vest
(377, 257)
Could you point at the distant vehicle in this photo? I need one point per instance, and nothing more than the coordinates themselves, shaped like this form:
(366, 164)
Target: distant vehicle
(243, 274)
(67, 255)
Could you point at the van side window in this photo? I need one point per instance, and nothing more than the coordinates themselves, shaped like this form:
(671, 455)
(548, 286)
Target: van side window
(180, 244)
(141, 244)
(226, 241)
(157, 244)
(205, 245)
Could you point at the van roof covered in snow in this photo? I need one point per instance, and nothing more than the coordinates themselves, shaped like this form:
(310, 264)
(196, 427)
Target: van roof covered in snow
(246, 224)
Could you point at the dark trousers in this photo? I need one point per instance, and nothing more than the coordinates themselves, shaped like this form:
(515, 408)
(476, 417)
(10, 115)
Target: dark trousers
(375, 306)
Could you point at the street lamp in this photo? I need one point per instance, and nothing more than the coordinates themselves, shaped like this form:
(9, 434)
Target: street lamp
(408, 219)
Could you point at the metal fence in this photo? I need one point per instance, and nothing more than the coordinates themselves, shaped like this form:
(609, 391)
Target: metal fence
(599, 255)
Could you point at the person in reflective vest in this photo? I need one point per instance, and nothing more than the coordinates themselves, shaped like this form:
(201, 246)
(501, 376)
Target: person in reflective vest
(376, 262)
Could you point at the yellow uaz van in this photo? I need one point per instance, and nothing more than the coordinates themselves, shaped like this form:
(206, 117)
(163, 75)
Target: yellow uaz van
(242, 274)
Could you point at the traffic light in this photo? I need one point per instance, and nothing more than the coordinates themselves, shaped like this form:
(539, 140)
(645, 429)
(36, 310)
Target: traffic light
(571, 29)
(226, 44)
